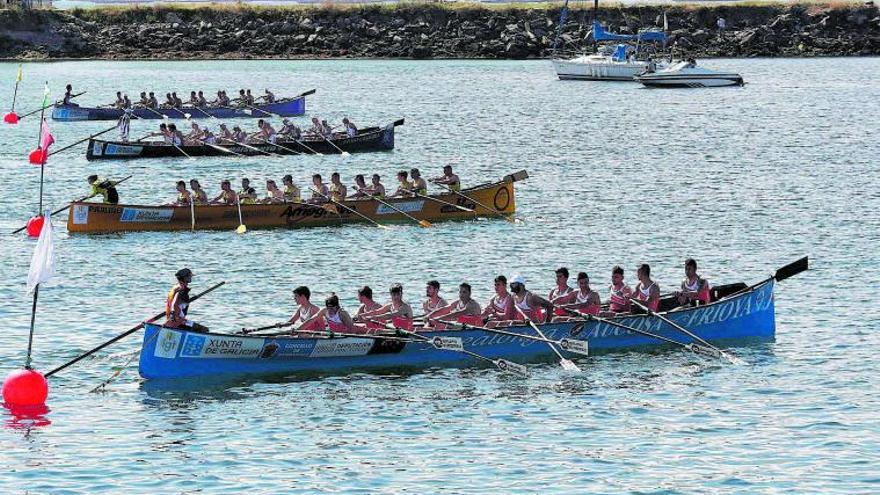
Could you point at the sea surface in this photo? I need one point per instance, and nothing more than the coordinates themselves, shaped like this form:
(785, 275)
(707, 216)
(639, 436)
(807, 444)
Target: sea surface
(744, 180)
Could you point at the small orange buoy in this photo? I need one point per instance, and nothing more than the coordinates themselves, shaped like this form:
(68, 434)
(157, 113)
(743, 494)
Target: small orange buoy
(37, 157)
(35, 226)
(10, 118)
(25, 388)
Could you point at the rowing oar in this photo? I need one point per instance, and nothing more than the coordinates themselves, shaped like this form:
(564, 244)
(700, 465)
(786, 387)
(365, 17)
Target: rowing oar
(59, 210)
(462, 208)
(221, 148)
(507, 217)
(304, 145)
(787, 271)
(50, 105)
(571, 345)
(422, 223)
(278, 146)
(566, 364)
(337, 203)
(82, 141)
(245, 331)
(301, 95)
(726, 355)
(241, 228)
(340, 150)
(124, 334)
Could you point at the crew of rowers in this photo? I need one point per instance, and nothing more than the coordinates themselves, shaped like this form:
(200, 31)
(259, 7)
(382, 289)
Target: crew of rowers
(196, 100)
(266, 133)
(410, 184)
(506, 308)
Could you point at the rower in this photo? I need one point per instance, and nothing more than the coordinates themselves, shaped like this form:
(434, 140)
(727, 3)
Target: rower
(465, 310)
(248, 196)
(227, 196)
(316, 127)
(126, 102)
(418, 183)
(169, 101)
(360, 187)
(193, 99)
(202, 101)
(351, 130)
(562, 288)
(433, 301)
(305, 310)
(273, 194)
(448, 179)
(376, 189)
(153, 102)
(291, 192)
(177, 101)
(269, 96)
(245, 185)
(500, 308)
(694, 289)
(266, 132)
(286, 127)
(177, 304)
(249, 97)
(208, 137)
(238, 135)
(326, 130)
(144, 101)
(223, 98)
(105, 187)
(647, 290)
(365, 296)
(241, 98)
(68, 97)
(528, 303)
(404, 187)
(397, 311)
(226, 134)
(120, 103)
(195, 134)
(584, 300)
(338, 191)
(320, 192)
(618, 301)
(184, 198)
(332, 317)
(200, 197)
(175, 135)
(163, 131)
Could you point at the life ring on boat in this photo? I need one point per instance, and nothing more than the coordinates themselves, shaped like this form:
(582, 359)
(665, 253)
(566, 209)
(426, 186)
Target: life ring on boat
(502, 195)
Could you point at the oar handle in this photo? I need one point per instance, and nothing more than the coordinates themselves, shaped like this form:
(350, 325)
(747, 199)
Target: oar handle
(52, 105)
(81, 141)
(124, 334)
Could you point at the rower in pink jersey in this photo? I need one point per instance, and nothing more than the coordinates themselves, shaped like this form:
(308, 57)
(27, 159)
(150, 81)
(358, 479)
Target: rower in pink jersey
(332, 317)
(535, 308)
(694, 289)
(464, 310)
(583, 300)
(618, 300)
(397, 311)
(647, 290)
(562, 288)
(500, 308)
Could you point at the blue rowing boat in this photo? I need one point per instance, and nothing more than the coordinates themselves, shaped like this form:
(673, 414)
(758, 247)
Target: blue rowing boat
(290, 107)
(167, 353)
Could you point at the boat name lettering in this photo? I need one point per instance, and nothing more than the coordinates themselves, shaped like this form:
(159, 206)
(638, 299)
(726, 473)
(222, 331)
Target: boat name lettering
(122, 150)
(342, 347)
(293, 213)
(198, 346)
(407, 206)
(146, 215)
(113, 210)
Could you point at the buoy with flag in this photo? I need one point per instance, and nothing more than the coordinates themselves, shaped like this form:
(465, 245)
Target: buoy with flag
(27, 388)
(12, 117)
(41, 153)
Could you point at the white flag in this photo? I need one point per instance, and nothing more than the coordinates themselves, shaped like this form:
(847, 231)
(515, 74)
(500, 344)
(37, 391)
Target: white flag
(43, 262)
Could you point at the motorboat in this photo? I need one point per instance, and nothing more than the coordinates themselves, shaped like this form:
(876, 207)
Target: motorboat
(686, 74)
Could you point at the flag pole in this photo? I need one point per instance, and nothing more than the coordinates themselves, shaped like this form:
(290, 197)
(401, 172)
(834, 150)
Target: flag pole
(39, 145)
(15, 92)
(27, 361)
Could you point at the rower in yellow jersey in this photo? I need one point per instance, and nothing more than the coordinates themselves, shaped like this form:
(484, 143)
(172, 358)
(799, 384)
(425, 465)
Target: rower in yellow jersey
(199, 196)
(105, 187)
(404, 187)
(418, 183)
(291, 192)
(338, 191)
(449, 179)
(227, 196)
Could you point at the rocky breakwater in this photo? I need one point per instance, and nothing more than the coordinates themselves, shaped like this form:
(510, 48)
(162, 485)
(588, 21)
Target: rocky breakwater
(425, 31)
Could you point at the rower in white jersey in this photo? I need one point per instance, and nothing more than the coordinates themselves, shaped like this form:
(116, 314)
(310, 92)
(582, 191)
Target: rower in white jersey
(647, 291)
(398, 311)
(332, 318)
(266, 132)
(500, 307)
(433, 301)
(305, 310)
(694, 289)
(529, 305)
(562, 288)
(320, 191)
(225, 135)
(464, 310)
(583, 300)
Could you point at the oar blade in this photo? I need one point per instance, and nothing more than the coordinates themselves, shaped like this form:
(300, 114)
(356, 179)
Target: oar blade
(241, 229)
(512, 368)
(424, 223)
(569, 365)
(345, 153)
(448, 343)
(792, 269)
(575, 346)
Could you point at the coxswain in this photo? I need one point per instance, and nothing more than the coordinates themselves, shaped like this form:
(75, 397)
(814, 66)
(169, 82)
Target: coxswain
(360, 187)
(200, 197)
(562, 288)
(449, 179)
(376, 189)
(365, 297)
(202, 101)
(500, 308)
(68, 97)
(248, 196)
(269, 96)
(397, 311)
(120, 102)
(176, 136)
(419, 186)
(226, 134)
(177, 304)
(433, 301)
(144, 101)
(193, 99)
(320, 191)
(305, 310)
(529, 304)
(184, 198)
(647, 290)
(583, 300)
(404, 187)
(332, 317)
(153, 102)
(291, 192)
(464, 310)
(227, 196)
(351, 130)
(619, 293)
(338, 191)
(105, 187)
(273, 194)
(694, 289)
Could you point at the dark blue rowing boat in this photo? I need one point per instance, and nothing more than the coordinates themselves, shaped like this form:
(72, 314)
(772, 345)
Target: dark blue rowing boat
(289, 107)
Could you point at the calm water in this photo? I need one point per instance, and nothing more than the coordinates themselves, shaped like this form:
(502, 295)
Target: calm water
(745, 180)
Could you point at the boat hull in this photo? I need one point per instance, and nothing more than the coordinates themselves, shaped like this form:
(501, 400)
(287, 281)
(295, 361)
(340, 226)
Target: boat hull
(715, 80)
(172, 354)
(100, 218)
(594, 70)
(371, 140)
(289, 108)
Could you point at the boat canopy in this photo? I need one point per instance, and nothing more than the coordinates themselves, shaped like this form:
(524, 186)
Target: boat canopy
(599, 34)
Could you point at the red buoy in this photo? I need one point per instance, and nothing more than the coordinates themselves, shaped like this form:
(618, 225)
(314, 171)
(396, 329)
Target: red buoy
(37, 157)
(25, 388)
(35, 226)
(11, 118)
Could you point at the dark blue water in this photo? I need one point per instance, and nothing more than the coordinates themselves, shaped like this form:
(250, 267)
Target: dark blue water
(744, 180)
